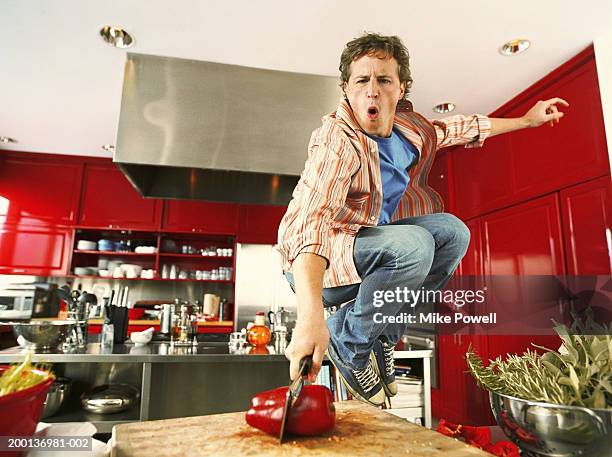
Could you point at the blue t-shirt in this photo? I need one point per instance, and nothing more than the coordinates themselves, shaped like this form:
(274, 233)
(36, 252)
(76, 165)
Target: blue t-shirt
(396, 155)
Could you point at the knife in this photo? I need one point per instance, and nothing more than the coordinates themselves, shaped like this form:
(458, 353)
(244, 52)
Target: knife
(293, 392)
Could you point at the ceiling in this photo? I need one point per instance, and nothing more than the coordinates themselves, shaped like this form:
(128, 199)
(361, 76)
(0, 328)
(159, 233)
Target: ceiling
(61, 84)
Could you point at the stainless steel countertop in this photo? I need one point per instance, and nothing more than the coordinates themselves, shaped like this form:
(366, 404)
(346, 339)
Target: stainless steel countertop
(163, 353)
(152, 352)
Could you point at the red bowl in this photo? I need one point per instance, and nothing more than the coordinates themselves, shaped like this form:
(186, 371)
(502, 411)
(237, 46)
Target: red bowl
(136, 313)
(20, 411)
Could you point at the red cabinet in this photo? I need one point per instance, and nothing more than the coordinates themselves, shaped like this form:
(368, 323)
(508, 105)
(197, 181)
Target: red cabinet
(523, 240)
(587, 227)
(259, 223)
(39, 189)
(548, 159)
(528, 163)
(200, 217)
(35, 250)
(110, 201)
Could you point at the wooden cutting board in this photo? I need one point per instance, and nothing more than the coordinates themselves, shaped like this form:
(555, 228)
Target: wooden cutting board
(361, 430)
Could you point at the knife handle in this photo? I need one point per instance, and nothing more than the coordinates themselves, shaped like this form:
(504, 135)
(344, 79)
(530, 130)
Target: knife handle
(305, 365)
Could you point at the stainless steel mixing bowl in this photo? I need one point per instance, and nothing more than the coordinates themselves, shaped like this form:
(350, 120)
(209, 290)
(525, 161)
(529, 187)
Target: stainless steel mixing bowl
(43, 334)
(547, 430)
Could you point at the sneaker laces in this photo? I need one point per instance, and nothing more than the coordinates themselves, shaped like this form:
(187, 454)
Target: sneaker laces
(388, 350)
(366, 377)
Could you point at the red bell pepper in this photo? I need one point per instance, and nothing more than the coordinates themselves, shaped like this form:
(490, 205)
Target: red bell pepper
(503, 449)
(479, 437)
(313, 413)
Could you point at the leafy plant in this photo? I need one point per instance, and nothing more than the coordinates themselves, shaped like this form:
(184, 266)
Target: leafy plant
(579, 374)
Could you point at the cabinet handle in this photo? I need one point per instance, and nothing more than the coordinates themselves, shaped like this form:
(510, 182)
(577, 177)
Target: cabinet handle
(18, 270)
(441, 175)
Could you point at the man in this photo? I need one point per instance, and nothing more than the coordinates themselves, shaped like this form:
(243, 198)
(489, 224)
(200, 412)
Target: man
(363, 219)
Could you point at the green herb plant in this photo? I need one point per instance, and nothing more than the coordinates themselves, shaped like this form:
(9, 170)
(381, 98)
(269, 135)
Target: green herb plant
(579, 374)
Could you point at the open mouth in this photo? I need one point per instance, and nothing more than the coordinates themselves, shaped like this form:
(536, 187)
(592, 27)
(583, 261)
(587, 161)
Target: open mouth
(372, 112)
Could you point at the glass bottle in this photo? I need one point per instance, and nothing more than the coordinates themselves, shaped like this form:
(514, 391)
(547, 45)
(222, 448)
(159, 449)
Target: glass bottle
(259, 334)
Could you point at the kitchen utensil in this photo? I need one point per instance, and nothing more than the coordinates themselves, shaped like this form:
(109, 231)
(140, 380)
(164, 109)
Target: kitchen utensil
(43, 334)
(546, 430)
(56, 396)
(141, 338)
(293, 393)
(110, 398)
(279, 318)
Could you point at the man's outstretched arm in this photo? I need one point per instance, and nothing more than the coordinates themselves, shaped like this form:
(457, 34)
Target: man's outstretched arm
(542, 112)
(310, 335)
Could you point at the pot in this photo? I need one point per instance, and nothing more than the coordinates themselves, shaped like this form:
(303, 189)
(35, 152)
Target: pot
(56, 396)
(110, 398)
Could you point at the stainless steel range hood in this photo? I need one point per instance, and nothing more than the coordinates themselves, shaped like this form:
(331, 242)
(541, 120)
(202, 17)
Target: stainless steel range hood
(201, 130)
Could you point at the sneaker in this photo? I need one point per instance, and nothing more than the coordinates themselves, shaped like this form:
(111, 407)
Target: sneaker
(363, 384)
(382, 356)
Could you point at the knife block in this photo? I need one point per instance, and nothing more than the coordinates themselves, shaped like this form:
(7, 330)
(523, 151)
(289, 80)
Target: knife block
(118, 316)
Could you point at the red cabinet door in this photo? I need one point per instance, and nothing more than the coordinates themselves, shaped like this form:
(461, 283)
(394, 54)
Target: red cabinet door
(524, 239)
(482, 180)
(440, 179)
(38, 190)
(110, 201)
(35, 250)
(587, 227)
(200, 217)
(259, 223)
(547, 159)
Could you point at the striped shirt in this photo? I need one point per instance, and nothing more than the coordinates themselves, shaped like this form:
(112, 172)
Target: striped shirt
(340, 189)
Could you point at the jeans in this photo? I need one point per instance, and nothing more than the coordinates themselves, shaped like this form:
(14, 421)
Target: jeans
(413, 253)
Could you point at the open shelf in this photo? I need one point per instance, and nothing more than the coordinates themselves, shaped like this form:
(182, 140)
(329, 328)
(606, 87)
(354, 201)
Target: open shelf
(115, 253)
(226, 281)
(195, 256)
(72, 412)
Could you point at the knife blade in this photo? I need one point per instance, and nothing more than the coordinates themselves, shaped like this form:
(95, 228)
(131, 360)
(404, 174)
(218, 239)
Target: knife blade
(293, 392)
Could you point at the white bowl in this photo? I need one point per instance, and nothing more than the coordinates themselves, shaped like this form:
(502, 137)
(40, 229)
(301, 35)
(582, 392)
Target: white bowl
(104, 273)
(131, 270)
(85, 245)
(141, 338)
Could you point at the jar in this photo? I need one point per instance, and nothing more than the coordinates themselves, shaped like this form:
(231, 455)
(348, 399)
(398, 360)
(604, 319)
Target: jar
(259, 334)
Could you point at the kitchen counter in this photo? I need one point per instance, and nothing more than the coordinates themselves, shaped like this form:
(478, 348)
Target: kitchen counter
(177, 381)
(154, 352)
(154, 322)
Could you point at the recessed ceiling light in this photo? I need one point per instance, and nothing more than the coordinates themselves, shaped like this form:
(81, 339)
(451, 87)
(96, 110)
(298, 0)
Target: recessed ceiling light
(444, 107)
(514, 47)
(7, 139)
(108, 147)
(116, 36)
